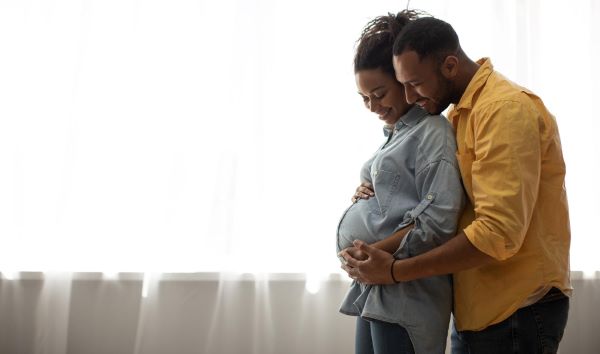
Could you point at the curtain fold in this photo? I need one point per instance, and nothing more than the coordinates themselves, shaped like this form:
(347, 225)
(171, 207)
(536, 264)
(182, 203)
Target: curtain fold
(200, 313)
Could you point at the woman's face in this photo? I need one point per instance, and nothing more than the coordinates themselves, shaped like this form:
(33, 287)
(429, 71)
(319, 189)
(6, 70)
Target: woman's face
(382, 94)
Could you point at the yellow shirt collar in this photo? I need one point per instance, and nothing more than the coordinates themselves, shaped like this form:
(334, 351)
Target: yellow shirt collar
(477, 82)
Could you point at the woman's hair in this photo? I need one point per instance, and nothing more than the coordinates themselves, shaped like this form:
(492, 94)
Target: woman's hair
(374, 50)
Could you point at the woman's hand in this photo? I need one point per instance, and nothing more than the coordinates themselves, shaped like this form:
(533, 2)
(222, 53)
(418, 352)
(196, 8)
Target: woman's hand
(364, 191)
(352, 252)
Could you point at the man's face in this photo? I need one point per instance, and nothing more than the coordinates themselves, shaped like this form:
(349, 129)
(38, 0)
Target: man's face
(423, 81)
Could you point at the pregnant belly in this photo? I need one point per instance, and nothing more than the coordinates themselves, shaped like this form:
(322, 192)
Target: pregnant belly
(358, 223)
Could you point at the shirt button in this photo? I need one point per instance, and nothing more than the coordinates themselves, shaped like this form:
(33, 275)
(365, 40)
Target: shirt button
(429, 197)
(375, 173)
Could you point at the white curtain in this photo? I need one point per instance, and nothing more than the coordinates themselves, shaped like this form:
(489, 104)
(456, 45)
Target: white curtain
(176, 136)
(227, 136)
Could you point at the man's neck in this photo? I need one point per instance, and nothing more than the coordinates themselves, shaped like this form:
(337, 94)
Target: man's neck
(468, 70)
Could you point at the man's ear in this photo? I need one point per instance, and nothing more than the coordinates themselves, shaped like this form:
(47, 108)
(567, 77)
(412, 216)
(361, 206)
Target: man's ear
(450, 67)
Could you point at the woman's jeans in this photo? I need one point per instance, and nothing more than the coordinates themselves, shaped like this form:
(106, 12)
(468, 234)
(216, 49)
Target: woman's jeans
(377, 337)
(535, 329)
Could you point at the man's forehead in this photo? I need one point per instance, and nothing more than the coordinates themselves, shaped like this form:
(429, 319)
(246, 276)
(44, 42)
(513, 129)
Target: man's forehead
(407, 60)
(409, 64)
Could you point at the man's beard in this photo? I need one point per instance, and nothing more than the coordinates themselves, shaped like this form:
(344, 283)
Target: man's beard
(447, 94)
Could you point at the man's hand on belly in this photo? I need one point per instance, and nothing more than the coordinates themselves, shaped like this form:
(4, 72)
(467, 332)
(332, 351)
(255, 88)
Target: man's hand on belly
(375, 269)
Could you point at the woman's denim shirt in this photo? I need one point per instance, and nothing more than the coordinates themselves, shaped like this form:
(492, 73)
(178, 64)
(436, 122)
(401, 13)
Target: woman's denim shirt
(416, 180)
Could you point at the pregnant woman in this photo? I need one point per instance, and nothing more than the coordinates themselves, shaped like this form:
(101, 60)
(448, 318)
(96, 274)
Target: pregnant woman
(409, 202)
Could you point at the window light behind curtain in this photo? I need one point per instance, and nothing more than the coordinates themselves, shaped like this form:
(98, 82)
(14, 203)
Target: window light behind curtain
(228, 135)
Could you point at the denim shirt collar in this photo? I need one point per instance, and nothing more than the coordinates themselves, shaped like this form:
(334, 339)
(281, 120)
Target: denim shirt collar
(410, 119)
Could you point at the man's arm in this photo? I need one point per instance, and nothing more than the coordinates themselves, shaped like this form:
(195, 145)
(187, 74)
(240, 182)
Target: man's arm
(453, 256)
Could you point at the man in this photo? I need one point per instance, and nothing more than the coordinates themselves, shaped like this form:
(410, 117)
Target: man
(510, 258)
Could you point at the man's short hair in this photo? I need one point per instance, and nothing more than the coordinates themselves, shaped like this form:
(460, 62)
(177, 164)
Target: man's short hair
(427, 36)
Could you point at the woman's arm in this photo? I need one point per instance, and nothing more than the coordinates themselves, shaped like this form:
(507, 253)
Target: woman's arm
(392, 242)
(389, 245)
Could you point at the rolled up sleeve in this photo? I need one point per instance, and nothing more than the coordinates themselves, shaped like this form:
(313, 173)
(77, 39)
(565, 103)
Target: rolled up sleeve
(504, 177)
(435, 218)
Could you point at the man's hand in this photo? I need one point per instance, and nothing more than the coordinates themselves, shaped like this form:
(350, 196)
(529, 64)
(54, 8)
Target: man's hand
(375, 269)
(364, 191)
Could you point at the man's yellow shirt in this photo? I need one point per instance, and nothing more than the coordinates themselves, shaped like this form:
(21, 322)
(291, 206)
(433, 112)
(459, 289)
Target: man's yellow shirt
(513, 171)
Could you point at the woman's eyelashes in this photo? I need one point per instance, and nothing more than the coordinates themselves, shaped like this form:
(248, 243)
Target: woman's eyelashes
(377, 96)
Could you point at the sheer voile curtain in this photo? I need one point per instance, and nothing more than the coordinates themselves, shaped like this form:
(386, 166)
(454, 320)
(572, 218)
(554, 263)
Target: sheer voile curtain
(227, 136)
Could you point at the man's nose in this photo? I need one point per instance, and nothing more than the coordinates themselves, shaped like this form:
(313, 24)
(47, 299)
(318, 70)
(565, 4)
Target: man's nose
(411, 94)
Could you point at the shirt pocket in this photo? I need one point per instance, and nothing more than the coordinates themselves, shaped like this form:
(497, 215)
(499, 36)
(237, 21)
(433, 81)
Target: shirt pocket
(465, 163)
(385, 184)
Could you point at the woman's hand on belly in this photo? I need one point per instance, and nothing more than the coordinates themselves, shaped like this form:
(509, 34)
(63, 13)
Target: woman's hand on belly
(352, 252)
(364, 191)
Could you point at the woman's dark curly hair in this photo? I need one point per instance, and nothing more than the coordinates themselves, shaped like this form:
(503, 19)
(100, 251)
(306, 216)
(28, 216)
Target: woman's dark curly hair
(375, 44)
